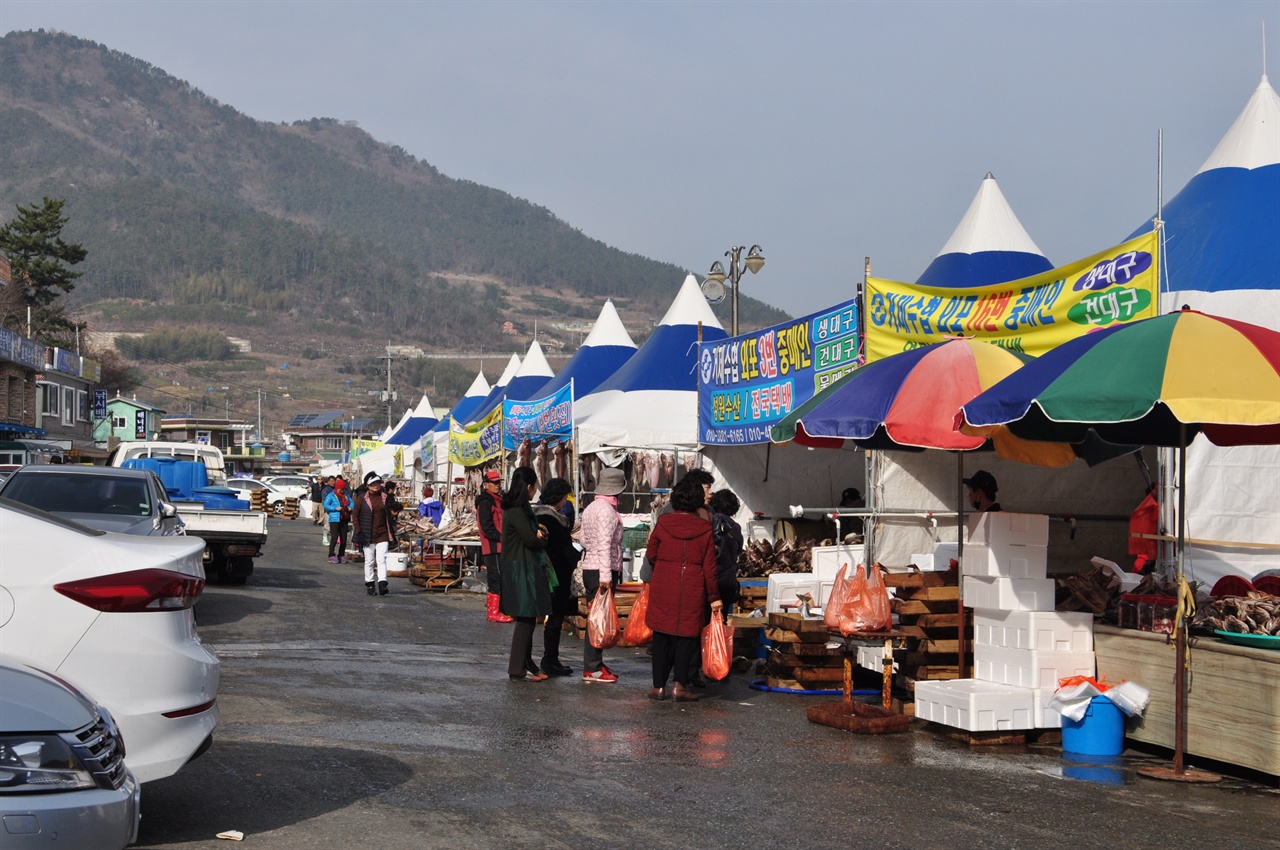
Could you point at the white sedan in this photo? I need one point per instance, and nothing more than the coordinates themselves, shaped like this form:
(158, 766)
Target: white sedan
(297, 486)
(112, 612)
(246, 486)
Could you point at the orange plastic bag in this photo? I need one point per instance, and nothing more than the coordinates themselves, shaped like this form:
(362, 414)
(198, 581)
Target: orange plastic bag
(866, 607)
(637, 633)
(835, 601)
(879, 613)
(602, 620)
(717, 648)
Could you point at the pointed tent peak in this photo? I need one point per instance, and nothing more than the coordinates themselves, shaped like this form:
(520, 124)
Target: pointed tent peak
(535, 363)
(513, 366)
(608, 329)
(1254, 139)
(690, 307)
(479, 387)
(424, 408)
(990, 225)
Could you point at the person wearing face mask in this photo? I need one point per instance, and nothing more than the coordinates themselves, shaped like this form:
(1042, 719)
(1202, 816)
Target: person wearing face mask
(982, 491)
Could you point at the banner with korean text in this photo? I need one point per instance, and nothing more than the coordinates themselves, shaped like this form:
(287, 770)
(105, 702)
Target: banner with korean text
(748, 383)
(472, 445)
(1031, 315)
(539, 419)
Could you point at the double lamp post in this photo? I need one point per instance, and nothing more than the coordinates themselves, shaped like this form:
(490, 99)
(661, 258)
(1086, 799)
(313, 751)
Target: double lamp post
(713, 287)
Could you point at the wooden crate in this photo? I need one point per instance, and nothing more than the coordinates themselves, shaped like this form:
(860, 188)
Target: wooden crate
(927, 605)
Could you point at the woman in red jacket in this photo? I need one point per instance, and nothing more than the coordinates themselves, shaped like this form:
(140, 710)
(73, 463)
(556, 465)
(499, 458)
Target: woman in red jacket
(683, 553)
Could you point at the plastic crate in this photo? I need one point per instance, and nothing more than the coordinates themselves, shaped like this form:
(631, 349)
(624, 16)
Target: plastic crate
(635, 538)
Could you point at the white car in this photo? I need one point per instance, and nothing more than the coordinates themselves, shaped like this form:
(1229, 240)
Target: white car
(246, 486)
(297, 486)
(112, 613)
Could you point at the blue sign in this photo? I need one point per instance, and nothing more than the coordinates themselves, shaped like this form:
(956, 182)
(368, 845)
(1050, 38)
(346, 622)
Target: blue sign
(538, 420)
(99, 404)
(746, 384)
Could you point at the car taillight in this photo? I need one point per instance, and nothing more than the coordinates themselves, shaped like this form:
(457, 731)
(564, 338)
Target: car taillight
(136, 590)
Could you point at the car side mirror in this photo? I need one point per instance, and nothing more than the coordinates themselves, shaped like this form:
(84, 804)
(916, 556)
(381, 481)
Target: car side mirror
(168, 511)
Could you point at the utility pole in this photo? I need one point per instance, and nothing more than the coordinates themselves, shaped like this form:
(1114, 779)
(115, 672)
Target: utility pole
(388, 396)
(259, 413)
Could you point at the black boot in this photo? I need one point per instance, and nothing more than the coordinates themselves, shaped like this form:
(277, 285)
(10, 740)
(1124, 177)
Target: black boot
(551, 663)
(382, 588)
(368, 586)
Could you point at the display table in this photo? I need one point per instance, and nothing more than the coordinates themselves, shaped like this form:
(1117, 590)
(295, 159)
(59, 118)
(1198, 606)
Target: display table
(1233, 695)
(457, 556)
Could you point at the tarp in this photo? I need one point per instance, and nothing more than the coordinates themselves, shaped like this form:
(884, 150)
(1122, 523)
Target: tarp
(602, 353)
(1223, 257)
(989, 245)
(652, 401)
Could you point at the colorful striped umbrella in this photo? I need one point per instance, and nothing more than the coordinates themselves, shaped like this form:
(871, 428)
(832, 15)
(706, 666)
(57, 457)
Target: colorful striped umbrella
(1158, 381)
(910, 400)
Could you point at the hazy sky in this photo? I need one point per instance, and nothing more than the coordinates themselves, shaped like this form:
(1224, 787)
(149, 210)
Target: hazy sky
(823, 131)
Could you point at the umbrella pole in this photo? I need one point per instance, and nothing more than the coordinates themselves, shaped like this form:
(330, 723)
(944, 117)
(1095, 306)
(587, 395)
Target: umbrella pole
(1179, 772)
(960, 558)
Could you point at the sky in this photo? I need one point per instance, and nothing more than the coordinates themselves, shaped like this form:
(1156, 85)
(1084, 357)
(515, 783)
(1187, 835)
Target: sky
(825, 132)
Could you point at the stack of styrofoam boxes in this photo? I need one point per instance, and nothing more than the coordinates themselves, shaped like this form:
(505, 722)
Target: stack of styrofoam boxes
(787, 588)
(1022, 647)
(827, 561)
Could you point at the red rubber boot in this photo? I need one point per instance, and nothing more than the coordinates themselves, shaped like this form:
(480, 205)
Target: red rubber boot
(493, 614)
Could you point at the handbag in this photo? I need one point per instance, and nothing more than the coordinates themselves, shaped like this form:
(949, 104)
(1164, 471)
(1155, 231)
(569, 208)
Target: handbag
(577, 587)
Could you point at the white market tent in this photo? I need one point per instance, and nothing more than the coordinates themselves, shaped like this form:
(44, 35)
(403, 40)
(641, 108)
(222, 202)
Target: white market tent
(494, 396)
(605, 350)
(652, 400)
(1222, 254)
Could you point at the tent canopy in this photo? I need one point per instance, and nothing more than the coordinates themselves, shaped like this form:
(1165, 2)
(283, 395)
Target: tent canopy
(601, 354)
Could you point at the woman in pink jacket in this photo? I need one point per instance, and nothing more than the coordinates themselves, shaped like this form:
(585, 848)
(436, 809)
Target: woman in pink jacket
(602, 562)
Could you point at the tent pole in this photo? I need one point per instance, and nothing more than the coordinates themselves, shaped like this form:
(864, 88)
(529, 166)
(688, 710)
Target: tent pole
(1180, 682)
(960, 558)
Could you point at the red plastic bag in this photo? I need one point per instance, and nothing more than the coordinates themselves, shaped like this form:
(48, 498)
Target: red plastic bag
(839, 592)
(717, 648)
(866, 608)
(637, 632)
(602, 620)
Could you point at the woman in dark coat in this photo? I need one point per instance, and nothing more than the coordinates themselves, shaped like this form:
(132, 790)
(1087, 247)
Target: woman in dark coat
(526, 591)
(564, 557)
(683, 554)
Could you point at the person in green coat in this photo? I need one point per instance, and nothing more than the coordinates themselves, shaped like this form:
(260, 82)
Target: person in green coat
(526, 585)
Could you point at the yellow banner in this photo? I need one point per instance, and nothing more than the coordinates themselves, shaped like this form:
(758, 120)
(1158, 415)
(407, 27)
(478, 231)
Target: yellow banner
(1032, 315)
(359, 447)
(474, 444)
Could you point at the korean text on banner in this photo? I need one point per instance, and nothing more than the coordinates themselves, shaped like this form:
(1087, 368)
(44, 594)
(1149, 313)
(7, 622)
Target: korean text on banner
(1031, 315)
(472, 445)
(539, 419)
(359, 447)
(749, 383)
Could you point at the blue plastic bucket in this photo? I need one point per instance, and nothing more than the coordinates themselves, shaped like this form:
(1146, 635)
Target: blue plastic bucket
(1102, 770)
(1099, 733)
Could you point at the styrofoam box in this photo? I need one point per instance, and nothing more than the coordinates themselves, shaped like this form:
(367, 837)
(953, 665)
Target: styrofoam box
(1059, 631)
(872, 658)
(1029, 668)
(397, 561)
(997, 528)
(1044, 717)
(975, 705)
(784, 587)
(1011, 560)
(939, 559)
(1009, 594)
(827, 560)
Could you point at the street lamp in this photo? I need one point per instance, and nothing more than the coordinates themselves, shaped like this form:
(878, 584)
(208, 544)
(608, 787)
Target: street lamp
(754, 262)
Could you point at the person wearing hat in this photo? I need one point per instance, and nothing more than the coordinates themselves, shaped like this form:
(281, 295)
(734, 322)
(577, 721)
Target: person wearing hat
(338, 507)
(374, 522)
(489, 518)
(852, 498)
(982, 491)
(602, 562)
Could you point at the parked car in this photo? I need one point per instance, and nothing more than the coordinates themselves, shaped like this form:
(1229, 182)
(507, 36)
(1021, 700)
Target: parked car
(297, 486)
(246, 486)
(129, 501)
(112, 613)
(63, 778)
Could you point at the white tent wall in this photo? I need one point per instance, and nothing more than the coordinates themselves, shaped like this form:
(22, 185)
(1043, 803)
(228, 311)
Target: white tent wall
(797, 475)
(1233, 494)
(927, 481)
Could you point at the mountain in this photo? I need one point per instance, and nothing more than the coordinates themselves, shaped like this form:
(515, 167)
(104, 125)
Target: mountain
(194, 212)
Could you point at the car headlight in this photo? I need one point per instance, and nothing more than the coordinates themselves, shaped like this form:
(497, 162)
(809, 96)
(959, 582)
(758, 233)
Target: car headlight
(40, 763)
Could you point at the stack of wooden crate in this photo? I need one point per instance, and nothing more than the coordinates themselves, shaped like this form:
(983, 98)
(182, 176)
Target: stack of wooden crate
(434, 572)
(927, 605)
(799, 657)
(291, 508)
(258, 500)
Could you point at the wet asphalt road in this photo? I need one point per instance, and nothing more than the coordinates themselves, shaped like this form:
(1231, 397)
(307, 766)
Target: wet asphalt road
(390, 723)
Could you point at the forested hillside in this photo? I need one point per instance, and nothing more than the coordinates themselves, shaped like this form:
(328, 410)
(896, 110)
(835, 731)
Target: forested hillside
(181, 200)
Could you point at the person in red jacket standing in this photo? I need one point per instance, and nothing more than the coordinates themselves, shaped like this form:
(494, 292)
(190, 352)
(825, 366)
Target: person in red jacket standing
(683, 552)
(489, 518)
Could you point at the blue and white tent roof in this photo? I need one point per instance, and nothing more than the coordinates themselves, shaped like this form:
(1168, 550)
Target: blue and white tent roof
(533, 373)
(495, 394)
(420, 420)
(652, 400)
(988, 246)
(1221, 229)
(602, 353)
(470, 400)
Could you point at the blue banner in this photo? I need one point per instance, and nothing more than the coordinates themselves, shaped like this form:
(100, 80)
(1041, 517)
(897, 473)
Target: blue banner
(538, 420)
(748, 383)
